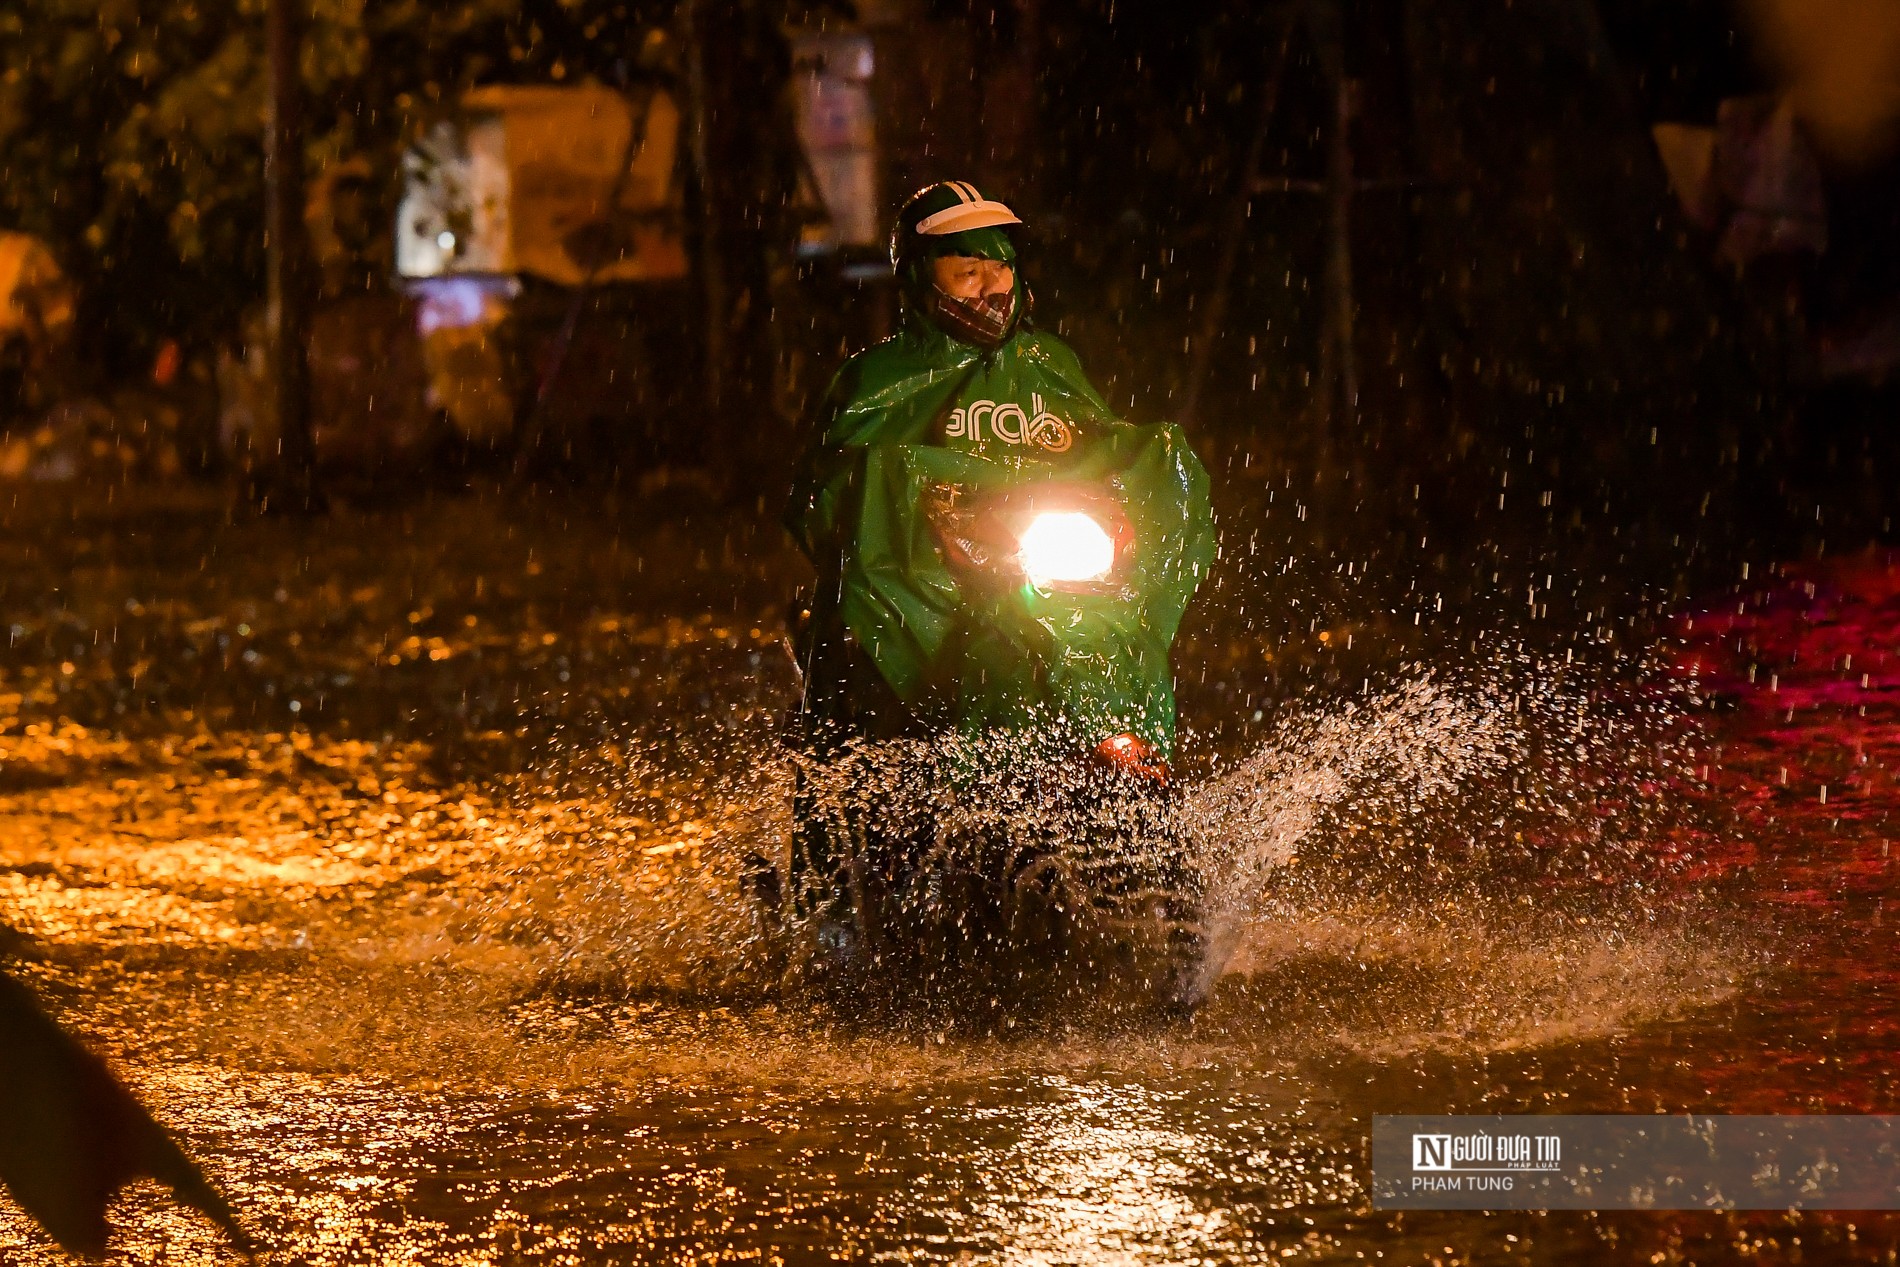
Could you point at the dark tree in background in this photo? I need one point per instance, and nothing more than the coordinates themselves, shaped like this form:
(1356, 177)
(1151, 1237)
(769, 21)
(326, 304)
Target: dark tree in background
(745, 174)
(1494, 143)
(1533, 325)
(130, 131)
(287, 251)
(132, 145)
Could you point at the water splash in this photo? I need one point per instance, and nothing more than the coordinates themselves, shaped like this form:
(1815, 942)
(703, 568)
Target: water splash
(1490, 860)
(1401, 751)
(1462, 825)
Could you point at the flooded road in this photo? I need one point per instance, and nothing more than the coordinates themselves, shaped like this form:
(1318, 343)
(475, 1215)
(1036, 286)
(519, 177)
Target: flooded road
(394, 860)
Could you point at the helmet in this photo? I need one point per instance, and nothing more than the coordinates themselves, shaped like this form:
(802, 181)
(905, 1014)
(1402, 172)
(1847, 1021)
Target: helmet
(951, 218)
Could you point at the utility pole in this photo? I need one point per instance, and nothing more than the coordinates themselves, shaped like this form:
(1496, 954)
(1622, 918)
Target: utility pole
(291, 482)
(1338, 368)
(712, 271)
(1214, 311)
(1338, 396)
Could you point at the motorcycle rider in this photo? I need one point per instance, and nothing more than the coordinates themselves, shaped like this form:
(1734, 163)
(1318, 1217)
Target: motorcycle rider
(970, 394)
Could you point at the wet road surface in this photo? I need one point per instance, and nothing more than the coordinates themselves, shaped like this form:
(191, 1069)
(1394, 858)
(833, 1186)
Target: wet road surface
(393, 859)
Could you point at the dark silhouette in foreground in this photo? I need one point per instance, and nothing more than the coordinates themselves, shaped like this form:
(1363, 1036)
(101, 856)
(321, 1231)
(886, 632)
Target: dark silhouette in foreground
(71, 1135)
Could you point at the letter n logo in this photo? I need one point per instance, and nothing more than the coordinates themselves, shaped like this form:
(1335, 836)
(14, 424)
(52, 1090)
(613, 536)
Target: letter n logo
(1431, 1152)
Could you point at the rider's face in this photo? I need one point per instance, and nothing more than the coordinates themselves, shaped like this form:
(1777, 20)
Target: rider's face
(970, 277)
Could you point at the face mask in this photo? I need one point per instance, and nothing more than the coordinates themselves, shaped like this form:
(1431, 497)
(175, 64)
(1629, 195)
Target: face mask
(985, 322)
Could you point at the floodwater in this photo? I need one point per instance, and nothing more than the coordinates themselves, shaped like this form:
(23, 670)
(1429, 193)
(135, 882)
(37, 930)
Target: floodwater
(393, 859)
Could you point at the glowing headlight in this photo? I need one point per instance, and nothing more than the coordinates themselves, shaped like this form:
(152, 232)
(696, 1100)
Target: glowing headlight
(1064, 546)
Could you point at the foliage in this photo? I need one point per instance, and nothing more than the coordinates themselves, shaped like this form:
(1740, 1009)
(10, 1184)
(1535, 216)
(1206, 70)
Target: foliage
(131, 132)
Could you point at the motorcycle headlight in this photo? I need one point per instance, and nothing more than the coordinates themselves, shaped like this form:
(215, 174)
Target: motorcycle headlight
(1065, 547)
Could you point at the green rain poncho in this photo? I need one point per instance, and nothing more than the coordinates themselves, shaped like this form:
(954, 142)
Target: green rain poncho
(922, 411)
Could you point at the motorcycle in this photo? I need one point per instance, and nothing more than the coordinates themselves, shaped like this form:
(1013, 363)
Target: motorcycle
(1014, 863)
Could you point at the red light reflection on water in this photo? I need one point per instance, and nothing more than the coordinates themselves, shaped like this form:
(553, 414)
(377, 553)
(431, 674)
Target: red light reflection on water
(1808, 662)
(1804, 668)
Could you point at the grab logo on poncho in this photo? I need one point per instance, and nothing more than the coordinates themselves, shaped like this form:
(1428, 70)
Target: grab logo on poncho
(1007, 421)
